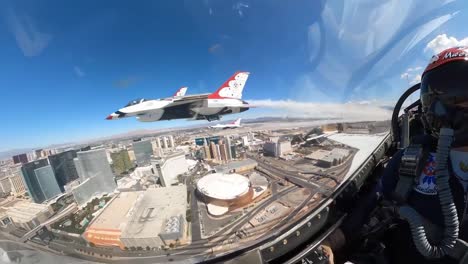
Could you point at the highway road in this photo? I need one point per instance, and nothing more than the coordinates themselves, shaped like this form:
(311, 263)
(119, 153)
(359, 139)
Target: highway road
(195, 216)
(290, 176)
(194, 213)
(72, 207)
(227, 231)
(17, 252)
(306, 182)
(103, 254)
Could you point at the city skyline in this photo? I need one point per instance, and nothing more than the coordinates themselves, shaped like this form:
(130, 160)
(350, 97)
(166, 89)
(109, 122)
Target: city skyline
(201, 189)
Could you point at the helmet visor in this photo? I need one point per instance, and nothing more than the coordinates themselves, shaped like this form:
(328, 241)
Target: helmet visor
(448, 85)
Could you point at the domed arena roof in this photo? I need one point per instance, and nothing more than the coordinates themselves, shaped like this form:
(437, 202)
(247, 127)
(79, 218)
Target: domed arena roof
(223, 186)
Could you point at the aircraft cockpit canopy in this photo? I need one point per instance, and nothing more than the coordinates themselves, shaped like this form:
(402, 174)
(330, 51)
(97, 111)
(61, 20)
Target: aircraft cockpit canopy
(136, 101)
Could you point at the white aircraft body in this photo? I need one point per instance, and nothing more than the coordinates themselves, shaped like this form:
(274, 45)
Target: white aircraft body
(234, 124)
(226, 100)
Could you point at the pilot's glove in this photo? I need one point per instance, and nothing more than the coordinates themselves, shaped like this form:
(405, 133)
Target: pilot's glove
(334, 242)
(328, 252)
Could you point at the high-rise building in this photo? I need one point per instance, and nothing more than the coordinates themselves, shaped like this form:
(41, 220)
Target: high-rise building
(218, 152)
(85, 191)
(64, 167)
(223, 153)
(95, 175)
(214, 151)
(17, 183)
(31, 156)
(5, 185)
(233, 152)
(47, 182)
(164, 140)
(158, 152)
(284, 147)
(208, 140)
(121, 161)
(10, 180)
(156, 143)
(159, 142)
(131, 155)
(143, 152)
(169, 166)
(40, 153)
(94, 164)
(228, 148)
(245, 141)
(20, 158)
(171, 141)
(206, 151)
(31, 181)
(79, 169)
(270, 148)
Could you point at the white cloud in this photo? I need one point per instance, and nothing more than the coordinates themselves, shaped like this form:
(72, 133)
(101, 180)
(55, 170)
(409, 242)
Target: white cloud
(412, 75)
(215, 48)
(30, 40)
(353, 111)
(340, 54)
(416, 79)
(78, 71)
(239, 8)
(418, 68)
(442, 42)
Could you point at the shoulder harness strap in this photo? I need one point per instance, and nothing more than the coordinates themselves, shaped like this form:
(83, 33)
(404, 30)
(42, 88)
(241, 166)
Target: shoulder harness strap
(411, 166)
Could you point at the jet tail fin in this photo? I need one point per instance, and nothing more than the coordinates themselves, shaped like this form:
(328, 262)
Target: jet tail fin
(237, 122)
(232, 88)
(181, 91)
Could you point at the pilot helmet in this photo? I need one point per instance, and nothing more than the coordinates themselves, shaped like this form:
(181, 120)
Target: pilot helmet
(444, 93)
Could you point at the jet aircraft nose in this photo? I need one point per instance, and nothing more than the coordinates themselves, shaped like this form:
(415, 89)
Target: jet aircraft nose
(112, 116)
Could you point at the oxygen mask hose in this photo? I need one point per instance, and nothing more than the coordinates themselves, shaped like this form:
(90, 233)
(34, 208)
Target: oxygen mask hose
(449, 211)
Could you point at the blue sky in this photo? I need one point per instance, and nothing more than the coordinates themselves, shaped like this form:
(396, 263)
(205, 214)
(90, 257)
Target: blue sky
(67, 65)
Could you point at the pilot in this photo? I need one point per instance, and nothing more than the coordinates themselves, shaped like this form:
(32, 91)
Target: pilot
(426, 183)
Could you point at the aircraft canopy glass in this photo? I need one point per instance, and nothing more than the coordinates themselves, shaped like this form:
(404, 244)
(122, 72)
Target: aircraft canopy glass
(136, 101)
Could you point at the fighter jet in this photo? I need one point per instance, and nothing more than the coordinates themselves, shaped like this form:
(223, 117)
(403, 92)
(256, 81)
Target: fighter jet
(226, 100)
(234, 124)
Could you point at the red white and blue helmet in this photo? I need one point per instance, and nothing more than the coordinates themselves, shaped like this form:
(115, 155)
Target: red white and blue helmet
(444, 92)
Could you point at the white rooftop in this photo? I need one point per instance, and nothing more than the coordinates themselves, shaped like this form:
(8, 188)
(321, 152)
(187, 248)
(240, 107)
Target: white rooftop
(152, 209)
(223, 186)
(25, 211)
(115, 214)
(364, 142)
(217, 210)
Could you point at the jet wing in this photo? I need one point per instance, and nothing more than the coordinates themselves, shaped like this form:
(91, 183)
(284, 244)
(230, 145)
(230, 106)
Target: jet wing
(181, 108)
(191, 98)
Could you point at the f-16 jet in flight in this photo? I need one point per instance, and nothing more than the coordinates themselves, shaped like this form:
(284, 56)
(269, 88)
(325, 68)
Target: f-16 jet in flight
(234, 124)
(226, 100)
